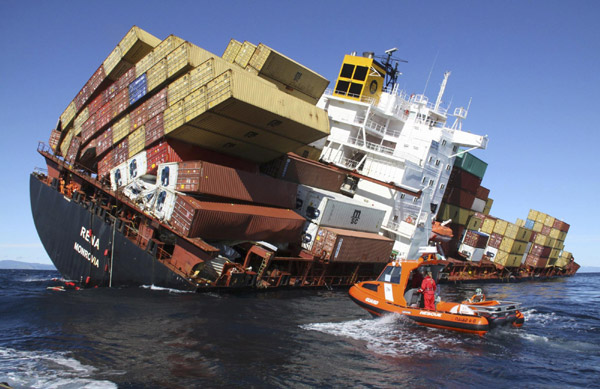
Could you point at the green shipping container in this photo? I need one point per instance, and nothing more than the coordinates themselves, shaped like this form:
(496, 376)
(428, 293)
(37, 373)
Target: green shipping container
(471, 164)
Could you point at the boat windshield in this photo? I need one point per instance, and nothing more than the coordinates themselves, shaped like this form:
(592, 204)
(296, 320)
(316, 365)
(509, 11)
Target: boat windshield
(391, 274)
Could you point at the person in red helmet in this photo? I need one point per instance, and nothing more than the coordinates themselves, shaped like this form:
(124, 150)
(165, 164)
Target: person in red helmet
(428, 289)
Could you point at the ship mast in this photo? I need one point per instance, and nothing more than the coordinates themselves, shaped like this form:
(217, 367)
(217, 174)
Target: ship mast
(442, 89)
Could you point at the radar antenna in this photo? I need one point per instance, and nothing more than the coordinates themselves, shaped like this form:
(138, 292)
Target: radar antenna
(390, 65)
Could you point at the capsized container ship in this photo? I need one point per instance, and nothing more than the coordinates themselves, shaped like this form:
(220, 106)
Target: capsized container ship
(180, 168)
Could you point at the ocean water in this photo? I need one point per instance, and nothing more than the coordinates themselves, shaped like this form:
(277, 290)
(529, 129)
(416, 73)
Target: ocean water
(150, 337)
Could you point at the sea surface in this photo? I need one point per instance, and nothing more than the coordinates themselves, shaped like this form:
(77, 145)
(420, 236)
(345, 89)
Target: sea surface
(150, 337)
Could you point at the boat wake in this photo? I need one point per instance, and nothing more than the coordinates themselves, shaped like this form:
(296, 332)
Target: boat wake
(391, 334)
(36, 369)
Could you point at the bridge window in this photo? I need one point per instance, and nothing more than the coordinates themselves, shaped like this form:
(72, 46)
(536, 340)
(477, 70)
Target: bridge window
(361, 73)
(347, 70)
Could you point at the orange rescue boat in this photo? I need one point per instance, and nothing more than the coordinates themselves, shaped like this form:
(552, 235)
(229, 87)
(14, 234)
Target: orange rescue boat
(396, 291)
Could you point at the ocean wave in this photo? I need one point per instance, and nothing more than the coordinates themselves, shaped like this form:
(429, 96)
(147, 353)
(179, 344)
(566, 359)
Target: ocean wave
(54, 370)
(160, 288)
(392, 335)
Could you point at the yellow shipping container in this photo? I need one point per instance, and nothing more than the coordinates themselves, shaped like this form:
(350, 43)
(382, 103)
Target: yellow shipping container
(514, 260)
(195, 104)
(66, 143)
(81, 117)
(276, 66)
(120, 129)
(488, 225)
(512, 246)
(144, 64)
(500, 226)
(541, 217)
(232, 50)
(537, 226)
(533, 214)
(178, 89)
(474, 223)
(554, 233)
(174, 117)
(488, 206)
(562, 236)
(520, 223)
(202, 74)
(112, 61)
(239, 96)
(501, 258)
(543, 240)
(68, 115)
(549, 221)
(511, 230)
(554, 253)
(136, 44)
(245, 53)
(136, 141)
(562, 262)
(223, 144)
(169, 44)
(184, 58)
(156, 75)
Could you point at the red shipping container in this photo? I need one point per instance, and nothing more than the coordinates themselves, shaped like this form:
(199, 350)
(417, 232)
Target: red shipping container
(482, 193)
(154, 129)
(138, 117)
(495, 240)
(97, 103)
(226, 221)
(54, 139)
(475, 239)
(157, 103)
(459, 197)
(73, 151)
(105, 164)
(210, 179)
(339, 245)
(121, 152)
(89, 88)
(105, 141)
(88, 128)
(120, 103)
(560, 225)
(462, 179)
(103, 116)
(536, 261)
(123, 82)
(294, 168)
(546, 230)
(539, 250)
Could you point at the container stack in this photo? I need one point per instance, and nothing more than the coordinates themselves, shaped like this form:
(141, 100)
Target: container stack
(465, 202)
(202, 124)
(548, 241)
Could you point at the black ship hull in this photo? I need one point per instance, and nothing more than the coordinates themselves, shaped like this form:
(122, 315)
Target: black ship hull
(81, 244)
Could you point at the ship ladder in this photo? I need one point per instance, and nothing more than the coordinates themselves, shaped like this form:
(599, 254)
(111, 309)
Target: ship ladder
(261, 270)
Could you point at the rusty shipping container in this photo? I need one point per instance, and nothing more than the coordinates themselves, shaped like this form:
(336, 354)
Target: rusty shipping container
(205, 178)
(226, 221)
(339, 245)
(475, 239)
(536, 261)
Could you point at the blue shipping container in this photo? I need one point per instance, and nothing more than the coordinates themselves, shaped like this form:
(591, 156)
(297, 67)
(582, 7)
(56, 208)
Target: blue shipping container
(529, 224)
(137, 89)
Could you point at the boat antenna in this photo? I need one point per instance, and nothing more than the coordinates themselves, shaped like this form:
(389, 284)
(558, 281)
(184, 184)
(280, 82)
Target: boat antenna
(390, 65)
(430, 71)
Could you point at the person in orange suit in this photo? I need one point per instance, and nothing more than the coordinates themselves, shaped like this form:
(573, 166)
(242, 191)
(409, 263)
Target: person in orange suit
(428, 289)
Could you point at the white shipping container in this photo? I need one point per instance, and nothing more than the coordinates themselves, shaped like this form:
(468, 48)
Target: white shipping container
(166, 175)
(309, 234)
(490, 252)
(164, 203)
(137, 166)
(329, 209)
(527, 250)
(471, 253)
(119, 176)
(478, 205)
(302, 197)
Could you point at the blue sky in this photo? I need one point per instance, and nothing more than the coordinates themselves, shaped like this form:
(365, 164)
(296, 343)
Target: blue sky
(532, 69)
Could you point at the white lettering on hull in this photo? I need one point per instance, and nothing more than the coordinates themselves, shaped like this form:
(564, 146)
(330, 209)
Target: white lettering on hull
(87, 255)
(88, 237)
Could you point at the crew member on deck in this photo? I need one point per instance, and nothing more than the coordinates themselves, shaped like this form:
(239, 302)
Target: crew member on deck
(428, 289)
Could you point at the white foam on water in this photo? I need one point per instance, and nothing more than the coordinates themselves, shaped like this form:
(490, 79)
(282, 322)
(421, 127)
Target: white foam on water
(52, 370)
(160, 288)
(532, 315)
(388, 335)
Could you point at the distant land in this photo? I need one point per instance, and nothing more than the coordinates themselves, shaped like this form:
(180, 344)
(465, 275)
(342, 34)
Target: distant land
(8, 264)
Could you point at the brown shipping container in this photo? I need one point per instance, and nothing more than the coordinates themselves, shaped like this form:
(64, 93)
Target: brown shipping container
(226, 221)
(459, 197)
(105, 141)
(138, 117)
(157, 103)
(495, 240)
(106, 163)
(482, 193)
(154, 129)
(215, 180)
(54, 139)
(475, 239)
(121, 152)
(88, 129)
(464, 180)
(539, 250)
(339, 245)
(303, 171)
(73, 151)
(536, 261)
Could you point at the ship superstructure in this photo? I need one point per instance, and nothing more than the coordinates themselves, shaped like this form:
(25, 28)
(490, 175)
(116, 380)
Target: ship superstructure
(385, 133)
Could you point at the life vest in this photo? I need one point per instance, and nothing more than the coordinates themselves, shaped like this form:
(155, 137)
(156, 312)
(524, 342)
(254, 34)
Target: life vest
(428, 285)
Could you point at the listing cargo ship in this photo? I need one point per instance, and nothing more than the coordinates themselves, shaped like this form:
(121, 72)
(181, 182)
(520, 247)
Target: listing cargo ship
(183, 169)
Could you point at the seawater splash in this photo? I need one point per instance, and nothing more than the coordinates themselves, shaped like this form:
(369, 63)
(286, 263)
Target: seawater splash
(160, 288)
(390, 334)
(38, 369)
